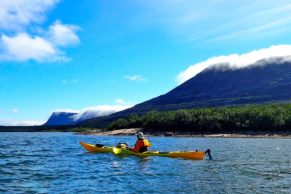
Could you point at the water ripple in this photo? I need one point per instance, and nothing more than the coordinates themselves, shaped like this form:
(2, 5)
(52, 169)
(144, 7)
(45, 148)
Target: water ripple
(55, 163)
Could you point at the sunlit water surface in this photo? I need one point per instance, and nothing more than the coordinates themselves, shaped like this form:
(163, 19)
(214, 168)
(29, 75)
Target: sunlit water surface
(56, 163)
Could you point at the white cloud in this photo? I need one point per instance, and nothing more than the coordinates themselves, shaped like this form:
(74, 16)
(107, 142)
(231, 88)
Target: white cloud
(8, 122)
(137, 78)
(235, 60)
(23, 37)
(63, 35)
(23, 47)
(18, 14)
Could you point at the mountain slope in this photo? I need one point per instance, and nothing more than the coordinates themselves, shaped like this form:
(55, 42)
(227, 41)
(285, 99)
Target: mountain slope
(264, 82)
(220, 86)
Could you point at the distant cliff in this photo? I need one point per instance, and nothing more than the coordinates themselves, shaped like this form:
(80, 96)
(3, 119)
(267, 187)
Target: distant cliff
(69, 118)
(61, 118)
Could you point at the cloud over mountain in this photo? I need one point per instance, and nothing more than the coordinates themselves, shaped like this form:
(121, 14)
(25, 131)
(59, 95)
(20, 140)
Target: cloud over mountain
(236, 61)
(68, 116)
(97, 111)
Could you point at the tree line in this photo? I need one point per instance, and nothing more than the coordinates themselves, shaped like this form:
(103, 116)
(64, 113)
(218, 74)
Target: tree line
(269, 117)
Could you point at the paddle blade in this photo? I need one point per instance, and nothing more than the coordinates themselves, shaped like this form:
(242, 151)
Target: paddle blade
(116, 150)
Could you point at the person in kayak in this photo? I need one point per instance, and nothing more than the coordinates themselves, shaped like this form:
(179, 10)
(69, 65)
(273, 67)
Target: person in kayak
(142, 144)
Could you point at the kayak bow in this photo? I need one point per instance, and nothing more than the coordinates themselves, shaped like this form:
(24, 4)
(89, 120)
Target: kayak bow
(193, 155)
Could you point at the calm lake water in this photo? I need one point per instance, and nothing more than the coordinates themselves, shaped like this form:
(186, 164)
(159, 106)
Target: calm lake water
(56, 163)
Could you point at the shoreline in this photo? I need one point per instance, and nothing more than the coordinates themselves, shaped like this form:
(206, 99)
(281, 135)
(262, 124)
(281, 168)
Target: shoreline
(133, 131)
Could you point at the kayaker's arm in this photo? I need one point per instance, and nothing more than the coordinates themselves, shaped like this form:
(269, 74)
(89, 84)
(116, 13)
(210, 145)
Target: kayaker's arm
(136, 147)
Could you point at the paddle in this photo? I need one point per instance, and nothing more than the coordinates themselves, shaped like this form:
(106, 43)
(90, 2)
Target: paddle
(116, 150)
(208, 152)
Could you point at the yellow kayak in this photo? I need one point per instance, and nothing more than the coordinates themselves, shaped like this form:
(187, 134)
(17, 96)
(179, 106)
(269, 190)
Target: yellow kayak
(193, 155)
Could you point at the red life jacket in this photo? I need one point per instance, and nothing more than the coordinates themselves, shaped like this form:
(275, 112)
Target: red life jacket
(141, 145)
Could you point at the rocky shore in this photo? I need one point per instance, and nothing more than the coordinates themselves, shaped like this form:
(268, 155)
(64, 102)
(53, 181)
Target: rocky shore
(133, 131)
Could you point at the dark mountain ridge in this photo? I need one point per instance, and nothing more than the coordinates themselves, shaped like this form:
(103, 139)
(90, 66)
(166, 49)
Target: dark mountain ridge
(218, 86)
(267, 81)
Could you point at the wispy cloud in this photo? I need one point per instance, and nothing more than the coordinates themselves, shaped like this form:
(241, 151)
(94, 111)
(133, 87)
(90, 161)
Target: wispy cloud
(15, 110)
(265, 29)
(120, 101)
(203, 20)
(72, 81)
(63, 35)
(16, 15)
(23, 38)
(137, 78)
(12, 111)
(11, 122)
(235, 61)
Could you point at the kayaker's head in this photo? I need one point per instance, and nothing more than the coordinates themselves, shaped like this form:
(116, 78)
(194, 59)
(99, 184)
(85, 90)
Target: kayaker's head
(140, 135)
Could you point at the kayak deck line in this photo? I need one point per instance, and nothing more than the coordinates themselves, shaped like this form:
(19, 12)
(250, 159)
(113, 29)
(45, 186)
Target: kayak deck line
(193, 155)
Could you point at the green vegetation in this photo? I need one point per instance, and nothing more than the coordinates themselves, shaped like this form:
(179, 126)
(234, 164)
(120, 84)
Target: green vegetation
(247, 118)
(83, 129)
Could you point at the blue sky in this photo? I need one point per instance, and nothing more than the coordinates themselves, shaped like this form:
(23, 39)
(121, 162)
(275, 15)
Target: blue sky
(79, 55)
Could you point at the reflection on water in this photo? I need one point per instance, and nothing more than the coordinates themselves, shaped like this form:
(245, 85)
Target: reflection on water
(56, 163)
